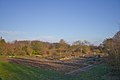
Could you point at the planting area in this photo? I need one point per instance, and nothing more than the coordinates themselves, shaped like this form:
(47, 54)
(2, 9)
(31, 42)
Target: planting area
(41, 69)
(63, 66)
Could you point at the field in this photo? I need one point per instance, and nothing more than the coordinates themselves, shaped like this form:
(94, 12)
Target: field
(32, 69)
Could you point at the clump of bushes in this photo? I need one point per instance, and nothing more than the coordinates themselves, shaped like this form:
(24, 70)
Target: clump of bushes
(112, 48)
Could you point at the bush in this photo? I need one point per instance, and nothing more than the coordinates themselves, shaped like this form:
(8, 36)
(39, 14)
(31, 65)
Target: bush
(112, 47)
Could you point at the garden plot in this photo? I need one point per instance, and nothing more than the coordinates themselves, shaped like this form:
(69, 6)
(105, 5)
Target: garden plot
(68, 66)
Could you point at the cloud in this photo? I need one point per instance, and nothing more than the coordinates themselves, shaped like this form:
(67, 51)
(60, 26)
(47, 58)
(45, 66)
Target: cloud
(11, 32)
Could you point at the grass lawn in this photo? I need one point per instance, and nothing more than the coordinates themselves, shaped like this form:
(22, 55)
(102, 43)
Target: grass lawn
(11, 71)
(95, 73)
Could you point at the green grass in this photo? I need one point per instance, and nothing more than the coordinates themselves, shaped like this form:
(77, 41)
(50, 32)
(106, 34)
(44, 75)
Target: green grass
(95, 73)
(11, 71)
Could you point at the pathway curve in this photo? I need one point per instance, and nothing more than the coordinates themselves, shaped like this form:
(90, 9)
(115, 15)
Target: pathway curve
(80, 70)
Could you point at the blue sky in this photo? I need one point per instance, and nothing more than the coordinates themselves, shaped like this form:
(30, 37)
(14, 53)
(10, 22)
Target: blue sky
(51, 20)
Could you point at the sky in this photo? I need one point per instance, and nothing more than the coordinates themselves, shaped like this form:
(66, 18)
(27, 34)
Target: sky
(52, 20)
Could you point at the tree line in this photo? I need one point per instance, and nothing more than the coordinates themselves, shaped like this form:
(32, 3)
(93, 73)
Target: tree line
(56, 50)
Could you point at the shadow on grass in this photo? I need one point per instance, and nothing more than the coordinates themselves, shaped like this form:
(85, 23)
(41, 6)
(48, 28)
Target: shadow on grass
(0, 78)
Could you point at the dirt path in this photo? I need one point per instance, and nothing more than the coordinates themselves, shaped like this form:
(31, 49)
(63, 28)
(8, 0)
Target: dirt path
(80, 70)
(66, 67)
(58, 66)
(2, 59)
(86, 68)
